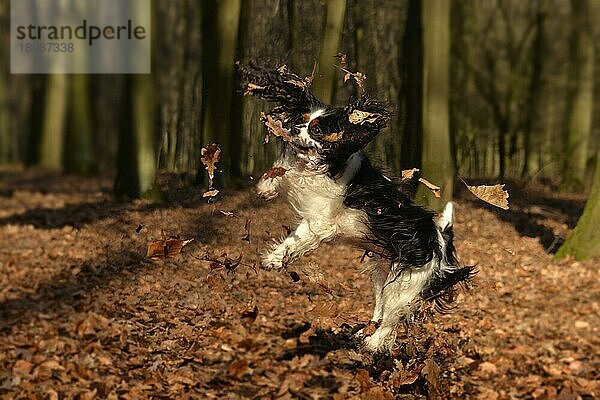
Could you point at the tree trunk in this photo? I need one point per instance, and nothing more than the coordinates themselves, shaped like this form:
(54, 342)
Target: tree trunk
(79, 155)
(220, 32)
(6, 140)
(580, 97)
(412, 91)
(306, 20)
(53, 125)
(536, 94)
(378, 42)
(136, 163)
(584, 241)
(179, 83)
(264, 35)
(332, 36)
(437, 160)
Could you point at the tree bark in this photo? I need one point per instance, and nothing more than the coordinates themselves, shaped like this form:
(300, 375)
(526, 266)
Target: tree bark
(584, 241)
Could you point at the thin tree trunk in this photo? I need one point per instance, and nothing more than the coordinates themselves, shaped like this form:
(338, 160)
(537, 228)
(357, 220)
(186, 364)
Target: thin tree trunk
(332, 36)
(536, 93)
(53, 125)
(412, 91)
(437, 160)
(220, 33)
(580, 100)
(79, 158)
(6, 139)
(143, 127)
(136, 164)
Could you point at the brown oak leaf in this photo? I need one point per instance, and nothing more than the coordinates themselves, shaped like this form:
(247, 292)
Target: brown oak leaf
(276, 127)
(434, 188)
(358, 117)
(168, 248)
(491, 194)
(274, 172)
(211, 154)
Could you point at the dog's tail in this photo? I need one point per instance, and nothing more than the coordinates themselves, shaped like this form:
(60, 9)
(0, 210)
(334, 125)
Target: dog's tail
(447, 273)
(446, 220)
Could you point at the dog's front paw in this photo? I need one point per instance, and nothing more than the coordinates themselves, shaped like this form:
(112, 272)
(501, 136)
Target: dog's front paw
(271, 261)
(267, 189)
(268, 195)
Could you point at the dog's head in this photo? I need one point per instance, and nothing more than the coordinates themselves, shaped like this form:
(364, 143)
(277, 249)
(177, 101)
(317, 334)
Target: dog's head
(318, 131)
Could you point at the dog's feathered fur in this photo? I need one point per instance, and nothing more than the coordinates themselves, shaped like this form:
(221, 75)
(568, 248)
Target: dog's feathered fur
(336, 192)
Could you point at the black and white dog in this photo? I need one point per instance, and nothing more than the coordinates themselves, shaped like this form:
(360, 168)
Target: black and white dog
(336, 192)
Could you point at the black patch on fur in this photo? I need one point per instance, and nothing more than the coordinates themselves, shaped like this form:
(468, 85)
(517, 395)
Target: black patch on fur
(404, 231)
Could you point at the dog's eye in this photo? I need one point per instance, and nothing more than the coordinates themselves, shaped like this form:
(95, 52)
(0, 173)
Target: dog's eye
(316, 130)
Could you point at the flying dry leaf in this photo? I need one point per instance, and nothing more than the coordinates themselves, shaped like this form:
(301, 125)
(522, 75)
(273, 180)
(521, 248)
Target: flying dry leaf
(343, 59)
(211, 154)
(276, 127)
(409, 174)
(310, 78)
(492, 194)
(210, 193)
(251, 87)
(359, 77)
(434, 188)
(168, 248)
(227, 213)
(334, 137)
(274, 172)
(230, 264)
(283, 69)
(358, 117)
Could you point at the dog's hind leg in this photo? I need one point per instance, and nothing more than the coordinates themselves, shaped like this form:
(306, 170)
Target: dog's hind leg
(399, 291)
(379, 273)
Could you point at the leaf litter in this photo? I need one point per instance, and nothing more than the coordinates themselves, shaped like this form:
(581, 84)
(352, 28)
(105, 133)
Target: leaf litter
(85, 315)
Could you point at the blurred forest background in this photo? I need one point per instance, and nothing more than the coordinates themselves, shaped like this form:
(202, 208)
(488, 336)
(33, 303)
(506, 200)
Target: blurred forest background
(479, 89)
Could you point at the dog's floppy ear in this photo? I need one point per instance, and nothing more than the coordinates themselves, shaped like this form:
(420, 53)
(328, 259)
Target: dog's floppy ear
(290, 92)
(364, 119)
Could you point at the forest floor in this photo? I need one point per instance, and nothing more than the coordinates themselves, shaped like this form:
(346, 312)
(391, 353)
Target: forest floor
(84, 314)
